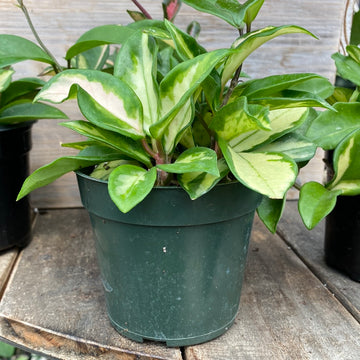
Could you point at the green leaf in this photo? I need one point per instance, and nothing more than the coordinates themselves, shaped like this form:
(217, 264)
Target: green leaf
(20, 112)
(296, 146)
(355, 29)
(48, 173)
(6, 350)
(186, 46)
(101, 35)
(25, 87)
(166, 61)
(292, 99)
(80, 145)
(228, 10)
(231, 11)
(199, 183)
(340, 94)
(198, 159)
(330, 127)
(108, 99)
(5, 79)
(347, 68)
(237, 118)
(14, 49)
(270, 174)
(251, 7)
(180, 84)
(175, 130)
(94, 59)
(245, 45)
(135, 65)
(354, 52)
(136, 15)
(318, 86)
(347, 166)
(125, 145)
(315, 202)
(129, 185)
(270, 212)
(281, 121)
(271, 85)
(103, 170)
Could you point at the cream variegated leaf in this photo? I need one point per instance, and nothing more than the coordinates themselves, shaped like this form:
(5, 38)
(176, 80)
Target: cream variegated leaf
(245, 45)
(199, 183)
(270, 174)
(346, 165)
(105, 92)
(136, 66)
(175, 130)
(282, 121)
(5, 78)
(238, 118)
(194, 160)
(181, 83)
(129, 184)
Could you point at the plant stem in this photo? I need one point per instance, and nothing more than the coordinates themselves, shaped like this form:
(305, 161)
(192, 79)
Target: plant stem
(233, 84)
(148, 149)
(56, 65)
(142, 9)
(234, 80)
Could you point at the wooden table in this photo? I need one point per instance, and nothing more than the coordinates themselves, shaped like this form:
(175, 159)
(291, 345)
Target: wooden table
(292, 305)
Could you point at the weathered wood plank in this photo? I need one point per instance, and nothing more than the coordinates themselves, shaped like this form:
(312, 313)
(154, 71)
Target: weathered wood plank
(310, 247)
(54, 302)
(61, 22)
(285, 312)
(7, 261)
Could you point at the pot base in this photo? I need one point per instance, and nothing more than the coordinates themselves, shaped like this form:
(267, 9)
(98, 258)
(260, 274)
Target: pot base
(185, 341)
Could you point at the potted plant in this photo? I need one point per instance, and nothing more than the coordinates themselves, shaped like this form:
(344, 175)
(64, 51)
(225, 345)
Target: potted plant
(339, 134)
(181, 149)
(17, 115)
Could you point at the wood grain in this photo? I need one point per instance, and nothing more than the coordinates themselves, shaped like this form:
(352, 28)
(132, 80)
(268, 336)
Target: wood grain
(309, 245)
(54, 303)
(7, 261)
(61, 22)
(285, 312)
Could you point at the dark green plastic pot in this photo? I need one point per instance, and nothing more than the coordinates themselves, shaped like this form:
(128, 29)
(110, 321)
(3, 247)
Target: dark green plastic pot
(15, 217)
(172, 268)
(342, 236)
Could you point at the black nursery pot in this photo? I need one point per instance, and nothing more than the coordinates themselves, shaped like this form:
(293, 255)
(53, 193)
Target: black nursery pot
(342, 236)
(15, 217)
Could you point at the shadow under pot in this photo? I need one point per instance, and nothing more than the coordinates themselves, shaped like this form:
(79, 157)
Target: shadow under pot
(15, 217)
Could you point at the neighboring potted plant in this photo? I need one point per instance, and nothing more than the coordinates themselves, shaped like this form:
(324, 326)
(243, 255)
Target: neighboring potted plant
(338, 199)
(179, 154)
(17, 115)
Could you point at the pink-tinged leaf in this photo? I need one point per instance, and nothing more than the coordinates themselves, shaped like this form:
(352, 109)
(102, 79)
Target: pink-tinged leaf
(171, 8)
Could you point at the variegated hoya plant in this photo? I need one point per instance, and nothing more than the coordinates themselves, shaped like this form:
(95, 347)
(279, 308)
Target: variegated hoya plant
(170, 113)
(339, 133)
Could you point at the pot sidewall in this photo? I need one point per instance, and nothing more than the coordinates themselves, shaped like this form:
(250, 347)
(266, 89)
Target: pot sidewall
(15, 216)
(177, 281)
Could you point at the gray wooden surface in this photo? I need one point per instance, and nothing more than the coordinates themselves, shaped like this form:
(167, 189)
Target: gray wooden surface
(61, 22)
(7, 261)
(285, 311)
(309, 245)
